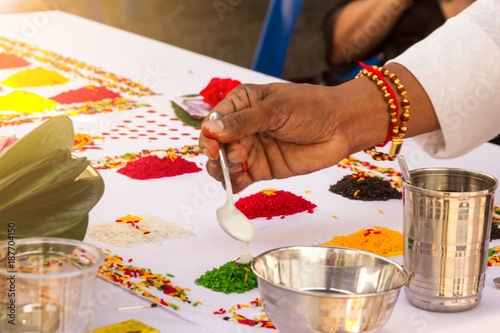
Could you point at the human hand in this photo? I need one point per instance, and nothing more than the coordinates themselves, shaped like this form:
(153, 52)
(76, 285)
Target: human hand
(277, 131)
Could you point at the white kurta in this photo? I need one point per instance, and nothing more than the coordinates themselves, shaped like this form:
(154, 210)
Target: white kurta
(459, 67)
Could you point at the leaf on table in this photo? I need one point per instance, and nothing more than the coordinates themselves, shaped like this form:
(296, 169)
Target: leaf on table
(185, 117)
(56, 133)
(57, 168)
(55, 212)
(77, 232)
(41, 184)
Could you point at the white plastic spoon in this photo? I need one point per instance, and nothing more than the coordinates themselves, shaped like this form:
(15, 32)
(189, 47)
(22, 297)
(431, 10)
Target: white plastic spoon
(234, 222)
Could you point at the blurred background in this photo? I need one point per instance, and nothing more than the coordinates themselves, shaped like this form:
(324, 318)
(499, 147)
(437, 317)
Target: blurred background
(223, 29)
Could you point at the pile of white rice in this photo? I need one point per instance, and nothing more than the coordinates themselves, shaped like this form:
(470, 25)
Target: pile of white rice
(126, 235)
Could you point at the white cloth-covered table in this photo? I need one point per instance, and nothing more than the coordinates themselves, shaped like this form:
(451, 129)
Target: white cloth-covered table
(191, 200)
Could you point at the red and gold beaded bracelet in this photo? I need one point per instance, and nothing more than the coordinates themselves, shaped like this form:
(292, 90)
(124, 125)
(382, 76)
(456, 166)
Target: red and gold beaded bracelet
(396, 131)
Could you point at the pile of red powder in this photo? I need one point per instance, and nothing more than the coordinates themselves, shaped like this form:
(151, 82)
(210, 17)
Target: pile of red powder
(84, 94)
(152, 166)
(270, 203)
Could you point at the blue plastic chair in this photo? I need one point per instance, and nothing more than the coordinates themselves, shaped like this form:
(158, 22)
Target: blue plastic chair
(275, 36)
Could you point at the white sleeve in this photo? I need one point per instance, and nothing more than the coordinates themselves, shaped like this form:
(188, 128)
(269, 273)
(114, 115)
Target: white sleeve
(458, 65)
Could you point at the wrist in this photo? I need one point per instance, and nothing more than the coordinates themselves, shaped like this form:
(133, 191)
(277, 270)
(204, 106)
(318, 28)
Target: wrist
(365, 121)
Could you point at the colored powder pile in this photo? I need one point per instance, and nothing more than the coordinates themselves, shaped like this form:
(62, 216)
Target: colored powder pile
(494, 256)
(495, 231)
(152, 166)
(231, 277)
(12, 61)
(24, 102)
(111, 162)
(83, 141)
(234, 314)
(85, 94)
(358, 166)
(142, 281)
(378, 240)
(366, 188)
(134, 230)
(495, 227)
(35, 77)
(270, 203)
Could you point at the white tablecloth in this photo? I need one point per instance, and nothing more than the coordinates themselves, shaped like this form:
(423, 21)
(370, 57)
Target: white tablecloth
(191, 200)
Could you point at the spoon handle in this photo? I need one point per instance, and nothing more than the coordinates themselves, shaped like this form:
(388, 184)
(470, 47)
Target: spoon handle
(404, 169)
(224, 164)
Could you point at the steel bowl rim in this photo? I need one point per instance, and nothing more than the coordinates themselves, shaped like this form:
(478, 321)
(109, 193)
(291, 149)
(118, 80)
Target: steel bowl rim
(329, 295)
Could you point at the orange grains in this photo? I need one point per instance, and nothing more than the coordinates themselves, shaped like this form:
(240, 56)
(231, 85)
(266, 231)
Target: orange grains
(378, 240)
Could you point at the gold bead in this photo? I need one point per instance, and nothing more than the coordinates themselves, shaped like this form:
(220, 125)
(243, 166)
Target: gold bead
(396, 82)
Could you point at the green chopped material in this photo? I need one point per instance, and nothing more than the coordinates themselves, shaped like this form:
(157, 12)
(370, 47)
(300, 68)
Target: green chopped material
(229, 278)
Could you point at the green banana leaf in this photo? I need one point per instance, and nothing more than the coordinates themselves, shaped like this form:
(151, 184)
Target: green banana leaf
(43, 189)
(77, 232)
(58, 168)
(55, 212)
(56, 133)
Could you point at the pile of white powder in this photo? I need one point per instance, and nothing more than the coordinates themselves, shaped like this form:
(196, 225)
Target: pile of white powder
(126, 235)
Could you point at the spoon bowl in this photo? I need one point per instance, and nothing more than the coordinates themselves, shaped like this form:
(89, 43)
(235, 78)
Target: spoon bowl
(232, 221)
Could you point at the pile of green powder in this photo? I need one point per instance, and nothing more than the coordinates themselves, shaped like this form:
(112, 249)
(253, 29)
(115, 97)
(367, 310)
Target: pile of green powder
(231, 277)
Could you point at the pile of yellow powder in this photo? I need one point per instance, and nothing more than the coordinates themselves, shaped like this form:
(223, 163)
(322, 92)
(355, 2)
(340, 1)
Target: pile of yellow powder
(35, 77)
(378, 240)
(25, 102)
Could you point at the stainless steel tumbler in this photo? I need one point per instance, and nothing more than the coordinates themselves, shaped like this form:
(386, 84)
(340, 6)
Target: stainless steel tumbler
(447, 225)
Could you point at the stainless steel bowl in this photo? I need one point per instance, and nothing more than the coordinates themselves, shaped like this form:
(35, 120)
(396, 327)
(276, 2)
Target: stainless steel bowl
(327, 289)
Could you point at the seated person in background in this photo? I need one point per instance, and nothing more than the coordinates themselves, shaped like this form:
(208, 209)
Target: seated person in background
(356, 30)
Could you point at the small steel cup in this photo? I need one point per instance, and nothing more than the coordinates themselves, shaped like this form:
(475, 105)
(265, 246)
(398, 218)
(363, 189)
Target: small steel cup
(447, 225)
